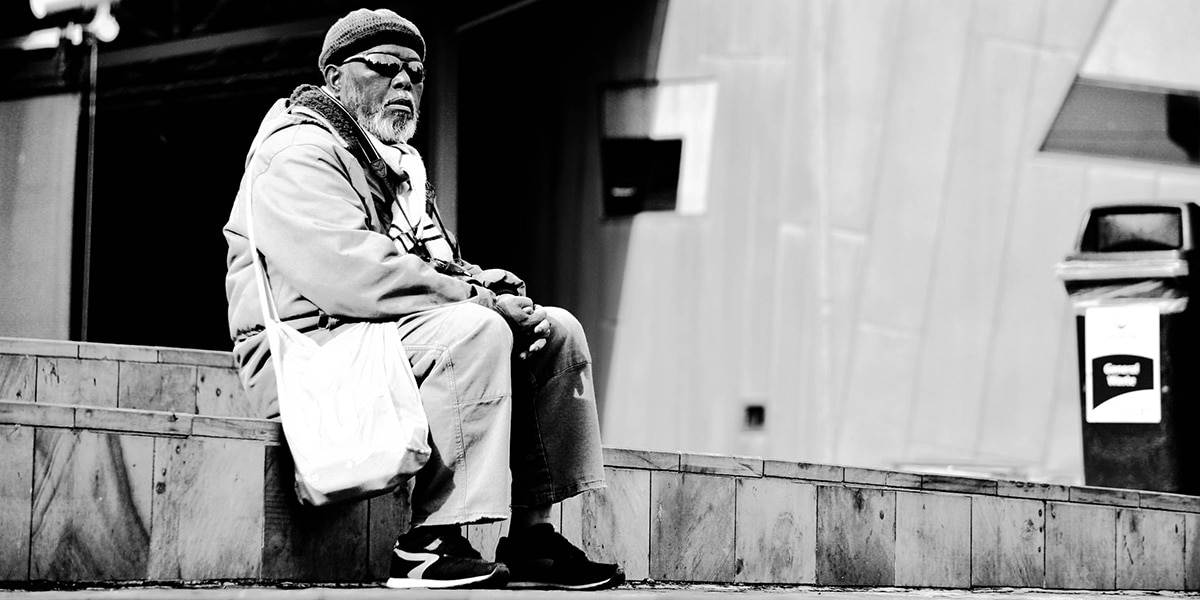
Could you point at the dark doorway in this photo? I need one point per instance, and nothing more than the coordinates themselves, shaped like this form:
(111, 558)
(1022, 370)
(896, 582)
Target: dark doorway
(165, 178)
(517, 74)
(167, 170)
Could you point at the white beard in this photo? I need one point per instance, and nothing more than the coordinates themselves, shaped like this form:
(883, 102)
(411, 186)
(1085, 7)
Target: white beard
(397, 130)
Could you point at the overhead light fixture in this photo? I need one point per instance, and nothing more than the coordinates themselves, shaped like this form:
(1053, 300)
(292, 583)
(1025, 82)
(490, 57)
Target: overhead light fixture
(43, 8)
(103, 26)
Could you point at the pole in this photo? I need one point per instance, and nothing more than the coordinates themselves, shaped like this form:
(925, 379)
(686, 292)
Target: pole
(84, 167)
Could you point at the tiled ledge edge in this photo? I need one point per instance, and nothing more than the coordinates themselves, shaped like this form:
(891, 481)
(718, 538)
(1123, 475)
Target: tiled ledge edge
(121, 352)
(751, 467)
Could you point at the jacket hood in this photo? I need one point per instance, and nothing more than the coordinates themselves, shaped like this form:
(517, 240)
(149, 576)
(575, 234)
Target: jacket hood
(307, 104)
(276, 119)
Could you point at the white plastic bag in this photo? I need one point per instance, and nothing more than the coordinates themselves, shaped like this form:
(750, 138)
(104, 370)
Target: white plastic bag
(351, 412)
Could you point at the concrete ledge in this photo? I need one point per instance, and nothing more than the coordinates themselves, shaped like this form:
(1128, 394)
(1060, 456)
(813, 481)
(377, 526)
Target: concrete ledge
(1175, 502)
(122, 463)
(1027, 489)
(89, 350)
(38, 347)
(719, 464)
(116, 352)
(116, 376)
(174, 424)
(882, 478)
(47, 415)
(641, 459)
(261, 430)
(139, 422)
(1108, 496)
(798, 470)
(966, 485)
(212, 499)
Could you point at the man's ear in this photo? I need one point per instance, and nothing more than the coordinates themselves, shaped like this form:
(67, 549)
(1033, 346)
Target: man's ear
(333, 78)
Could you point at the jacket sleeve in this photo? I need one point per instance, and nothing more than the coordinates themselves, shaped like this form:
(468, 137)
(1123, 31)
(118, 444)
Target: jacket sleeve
(312, 228)
(498, 281)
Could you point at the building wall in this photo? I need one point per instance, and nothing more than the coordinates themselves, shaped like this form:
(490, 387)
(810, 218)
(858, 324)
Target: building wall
(37, 191)
(875, 264)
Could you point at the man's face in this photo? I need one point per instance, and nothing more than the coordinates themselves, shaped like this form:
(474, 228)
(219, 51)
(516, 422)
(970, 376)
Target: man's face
(382, 88)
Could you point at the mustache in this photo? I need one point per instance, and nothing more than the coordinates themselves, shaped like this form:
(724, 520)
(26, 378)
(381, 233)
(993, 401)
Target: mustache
(405, 101)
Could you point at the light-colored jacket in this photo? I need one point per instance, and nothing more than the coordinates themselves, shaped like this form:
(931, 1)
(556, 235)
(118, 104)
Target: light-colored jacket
(317, 223)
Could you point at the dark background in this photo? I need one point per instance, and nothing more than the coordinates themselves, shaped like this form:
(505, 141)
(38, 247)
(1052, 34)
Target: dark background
(173, 126)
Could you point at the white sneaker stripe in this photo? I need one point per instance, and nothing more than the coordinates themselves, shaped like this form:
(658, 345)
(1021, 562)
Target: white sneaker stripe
(426, 558)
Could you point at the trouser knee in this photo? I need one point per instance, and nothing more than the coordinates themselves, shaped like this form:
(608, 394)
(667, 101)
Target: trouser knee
(483, 330)
(566, 333)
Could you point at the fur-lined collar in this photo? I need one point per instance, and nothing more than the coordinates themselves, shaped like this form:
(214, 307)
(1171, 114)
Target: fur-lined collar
(312, 98)
(352, 136)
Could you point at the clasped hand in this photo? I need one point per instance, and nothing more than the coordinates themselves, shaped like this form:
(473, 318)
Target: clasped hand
(528, 321)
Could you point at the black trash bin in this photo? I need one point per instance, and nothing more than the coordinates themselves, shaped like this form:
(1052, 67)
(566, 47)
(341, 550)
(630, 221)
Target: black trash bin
(1130, 281)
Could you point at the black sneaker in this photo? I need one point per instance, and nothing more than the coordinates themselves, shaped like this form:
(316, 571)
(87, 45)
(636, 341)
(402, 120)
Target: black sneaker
(541, 558)
(432, 558)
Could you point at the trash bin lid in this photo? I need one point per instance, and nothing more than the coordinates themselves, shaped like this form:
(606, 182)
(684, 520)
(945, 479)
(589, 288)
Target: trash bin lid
(1132, 240)
(1135, 227)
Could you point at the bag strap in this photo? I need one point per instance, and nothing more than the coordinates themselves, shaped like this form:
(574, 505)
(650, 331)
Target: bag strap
(270, 311)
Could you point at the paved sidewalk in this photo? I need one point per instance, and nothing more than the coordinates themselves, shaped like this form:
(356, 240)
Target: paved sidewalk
(634, 592)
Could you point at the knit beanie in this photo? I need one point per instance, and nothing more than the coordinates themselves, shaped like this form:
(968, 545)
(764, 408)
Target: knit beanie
(363, 29)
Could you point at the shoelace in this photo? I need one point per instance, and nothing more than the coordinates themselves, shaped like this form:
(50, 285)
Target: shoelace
(457, 546)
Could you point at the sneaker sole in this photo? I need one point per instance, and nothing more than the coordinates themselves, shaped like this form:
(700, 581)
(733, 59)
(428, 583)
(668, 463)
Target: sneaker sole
(496, 577)
(537, 585)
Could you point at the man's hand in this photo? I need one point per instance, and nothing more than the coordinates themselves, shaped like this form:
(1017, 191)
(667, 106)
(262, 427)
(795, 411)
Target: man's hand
(528, 322)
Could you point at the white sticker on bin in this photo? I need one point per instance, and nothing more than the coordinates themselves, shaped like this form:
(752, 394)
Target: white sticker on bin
(1121, 362)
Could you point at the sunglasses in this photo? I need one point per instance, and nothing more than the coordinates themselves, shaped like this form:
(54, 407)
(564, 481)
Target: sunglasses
(390, 66)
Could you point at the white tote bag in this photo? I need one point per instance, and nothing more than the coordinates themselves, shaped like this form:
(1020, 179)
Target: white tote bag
(351, 412)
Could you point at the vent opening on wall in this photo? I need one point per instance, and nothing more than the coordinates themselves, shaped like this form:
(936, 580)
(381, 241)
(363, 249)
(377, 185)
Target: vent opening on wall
(639, 174)
(1123, 121)
(756, 417)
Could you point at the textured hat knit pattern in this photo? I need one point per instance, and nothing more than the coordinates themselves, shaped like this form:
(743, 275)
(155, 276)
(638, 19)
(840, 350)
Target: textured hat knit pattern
(363, 29)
